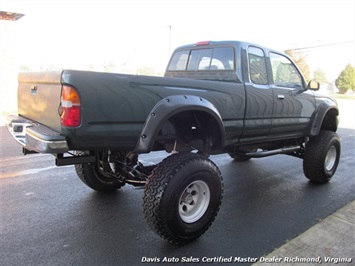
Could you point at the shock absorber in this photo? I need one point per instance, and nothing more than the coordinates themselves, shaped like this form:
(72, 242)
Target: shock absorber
(111, 162)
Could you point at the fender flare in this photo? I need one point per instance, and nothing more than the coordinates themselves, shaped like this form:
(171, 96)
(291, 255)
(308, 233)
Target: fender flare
(168, 107)
(321, 112)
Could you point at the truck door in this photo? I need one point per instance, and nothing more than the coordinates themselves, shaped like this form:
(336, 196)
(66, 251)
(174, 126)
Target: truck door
(259, 97)
(293, 104)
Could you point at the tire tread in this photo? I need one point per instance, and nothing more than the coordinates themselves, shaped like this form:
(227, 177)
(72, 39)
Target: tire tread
(155, 187)
(313, 161)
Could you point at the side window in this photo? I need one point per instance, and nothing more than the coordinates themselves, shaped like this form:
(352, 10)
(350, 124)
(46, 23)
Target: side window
(284, 72)
(257, 66)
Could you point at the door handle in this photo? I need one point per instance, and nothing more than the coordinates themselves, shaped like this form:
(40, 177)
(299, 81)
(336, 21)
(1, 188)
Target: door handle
(280, 96)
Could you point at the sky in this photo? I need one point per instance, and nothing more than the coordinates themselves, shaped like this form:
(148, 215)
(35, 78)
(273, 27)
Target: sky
(78, 33)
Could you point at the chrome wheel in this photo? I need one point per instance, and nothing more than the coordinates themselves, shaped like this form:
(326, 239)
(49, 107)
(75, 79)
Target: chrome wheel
(330, 158)
(194, 201)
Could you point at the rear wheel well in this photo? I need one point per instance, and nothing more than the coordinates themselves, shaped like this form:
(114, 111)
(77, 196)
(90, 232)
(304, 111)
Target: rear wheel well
(191, 130)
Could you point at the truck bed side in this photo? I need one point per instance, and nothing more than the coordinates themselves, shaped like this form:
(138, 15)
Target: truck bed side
(115, 106)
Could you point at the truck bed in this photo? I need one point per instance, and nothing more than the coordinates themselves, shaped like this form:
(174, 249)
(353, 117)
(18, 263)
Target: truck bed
(115, 106)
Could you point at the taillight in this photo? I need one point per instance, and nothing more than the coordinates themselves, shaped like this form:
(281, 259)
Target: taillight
(70, 107)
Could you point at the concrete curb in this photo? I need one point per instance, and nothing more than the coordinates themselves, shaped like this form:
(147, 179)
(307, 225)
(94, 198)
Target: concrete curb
(331, 241)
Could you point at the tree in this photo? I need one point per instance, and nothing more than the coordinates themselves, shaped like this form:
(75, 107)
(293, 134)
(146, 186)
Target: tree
(149, 71)
(300, 60)
(346, 79)
(320, 76)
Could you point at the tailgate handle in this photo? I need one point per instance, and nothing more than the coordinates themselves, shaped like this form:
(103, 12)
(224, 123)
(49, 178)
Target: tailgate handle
(34, 89)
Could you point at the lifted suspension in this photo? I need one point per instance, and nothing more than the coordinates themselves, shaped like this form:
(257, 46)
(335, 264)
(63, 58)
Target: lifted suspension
(126, 170)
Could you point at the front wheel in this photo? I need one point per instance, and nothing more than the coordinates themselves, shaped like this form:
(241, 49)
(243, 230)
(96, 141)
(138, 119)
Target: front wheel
(321, 157)
(182, 197)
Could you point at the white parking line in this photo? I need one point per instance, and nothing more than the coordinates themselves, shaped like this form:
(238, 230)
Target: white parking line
(30, 171)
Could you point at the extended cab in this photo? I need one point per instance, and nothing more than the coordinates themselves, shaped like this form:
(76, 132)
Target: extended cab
(216, 97)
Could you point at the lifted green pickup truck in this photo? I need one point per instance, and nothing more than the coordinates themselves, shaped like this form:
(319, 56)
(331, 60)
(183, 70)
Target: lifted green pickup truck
(216, 97)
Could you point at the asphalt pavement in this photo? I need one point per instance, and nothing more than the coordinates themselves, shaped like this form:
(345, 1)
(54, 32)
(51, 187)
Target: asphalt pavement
(48, 217)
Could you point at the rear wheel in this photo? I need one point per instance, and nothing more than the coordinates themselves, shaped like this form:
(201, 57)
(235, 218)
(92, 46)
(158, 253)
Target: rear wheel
(96, 178)
(321, 157)
(182, 197)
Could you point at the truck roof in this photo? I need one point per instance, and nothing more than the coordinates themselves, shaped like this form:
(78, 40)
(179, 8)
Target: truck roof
(236, 43)
(206, 43)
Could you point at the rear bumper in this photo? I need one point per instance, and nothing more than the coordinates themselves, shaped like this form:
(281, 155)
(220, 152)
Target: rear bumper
(36, 137)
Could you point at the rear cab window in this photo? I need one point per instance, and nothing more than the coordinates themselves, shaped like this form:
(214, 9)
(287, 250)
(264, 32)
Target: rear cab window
(203, 59)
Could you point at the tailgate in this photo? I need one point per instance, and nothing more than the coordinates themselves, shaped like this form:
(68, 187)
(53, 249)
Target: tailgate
(39, 97)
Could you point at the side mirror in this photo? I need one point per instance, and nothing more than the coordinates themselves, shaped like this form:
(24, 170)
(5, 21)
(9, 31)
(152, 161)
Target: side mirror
(313, 85)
